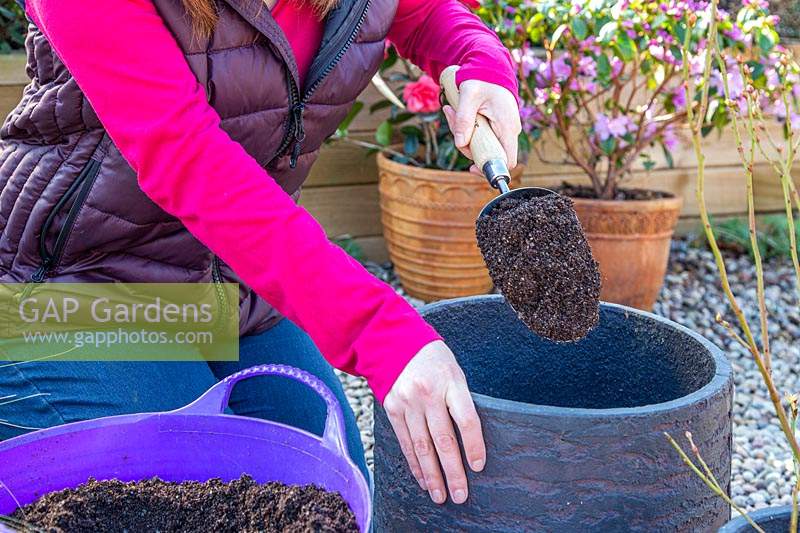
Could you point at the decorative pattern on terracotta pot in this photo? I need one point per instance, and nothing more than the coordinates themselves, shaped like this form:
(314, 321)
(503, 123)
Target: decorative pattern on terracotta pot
(630, 240)
(574, 432)
(429, 225)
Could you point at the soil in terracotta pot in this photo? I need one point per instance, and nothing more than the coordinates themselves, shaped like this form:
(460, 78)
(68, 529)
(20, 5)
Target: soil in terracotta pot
(539, 258)
(582, 191)
(156, 505)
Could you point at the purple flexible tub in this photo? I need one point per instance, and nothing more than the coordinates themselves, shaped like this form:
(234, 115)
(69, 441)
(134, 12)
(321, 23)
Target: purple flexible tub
(197, 442)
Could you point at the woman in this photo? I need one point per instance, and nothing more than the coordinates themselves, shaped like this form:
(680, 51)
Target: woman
(166, 141)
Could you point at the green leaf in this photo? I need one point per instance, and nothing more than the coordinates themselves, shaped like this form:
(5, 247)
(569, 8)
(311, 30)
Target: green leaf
(377, 106)
(607, 32)
(603, 67)
(411, 131)
(680, 33)
(766, 40)
(341, 131)
(579, 28)
(384, 133)
(608, 145)
(524, 143)
(668, 157)
(411, 145)
(626, 48)
(391, 59)
(400, 118)
(756, 69)
(443, 158)
(351, 247)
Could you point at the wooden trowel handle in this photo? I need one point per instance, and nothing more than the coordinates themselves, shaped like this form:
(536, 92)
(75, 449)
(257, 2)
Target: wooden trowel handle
(487, 152)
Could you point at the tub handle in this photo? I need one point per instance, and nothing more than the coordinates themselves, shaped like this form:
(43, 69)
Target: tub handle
(215, 400)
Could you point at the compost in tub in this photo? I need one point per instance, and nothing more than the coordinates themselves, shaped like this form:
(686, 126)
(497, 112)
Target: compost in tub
(196, 443)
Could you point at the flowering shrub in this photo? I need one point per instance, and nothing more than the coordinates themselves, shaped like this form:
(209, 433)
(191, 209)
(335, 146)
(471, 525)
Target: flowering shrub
(415, 118)
(602, 78)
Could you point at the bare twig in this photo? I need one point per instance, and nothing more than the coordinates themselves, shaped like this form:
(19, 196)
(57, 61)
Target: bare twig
(710, 481)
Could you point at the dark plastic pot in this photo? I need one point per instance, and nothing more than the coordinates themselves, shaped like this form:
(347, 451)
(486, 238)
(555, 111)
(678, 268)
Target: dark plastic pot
(574, 432)
(770, 519)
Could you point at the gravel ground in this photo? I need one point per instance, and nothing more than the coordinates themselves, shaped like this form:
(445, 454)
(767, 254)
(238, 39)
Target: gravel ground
(692, 296)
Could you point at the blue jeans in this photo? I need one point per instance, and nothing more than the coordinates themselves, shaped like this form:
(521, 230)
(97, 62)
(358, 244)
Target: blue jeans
(78, 390)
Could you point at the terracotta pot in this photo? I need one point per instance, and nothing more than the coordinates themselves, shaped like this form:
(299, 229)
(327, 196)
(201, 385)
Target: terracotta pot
(429, 225)
(630, 240)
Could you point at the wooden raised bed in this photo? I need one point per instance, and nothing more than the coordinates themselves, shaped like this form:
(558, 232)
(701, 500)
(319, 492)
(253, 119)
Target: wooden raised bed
(12, 81)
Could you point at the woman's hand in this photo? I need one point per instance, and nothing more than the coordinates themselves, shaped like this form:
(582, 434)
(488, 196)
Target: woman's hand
(493, 102)
(431, 390)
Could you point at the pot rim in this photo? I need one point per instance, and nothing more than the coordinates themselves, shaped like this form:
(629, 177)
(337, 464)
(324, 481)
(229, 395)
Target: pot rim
(737, 524)
(672, 202)
(720, 380)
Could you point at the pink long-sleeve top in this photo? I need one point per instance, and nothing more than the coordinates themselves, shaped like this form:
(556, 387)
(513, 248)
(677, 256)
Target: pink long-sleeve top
(152, 106)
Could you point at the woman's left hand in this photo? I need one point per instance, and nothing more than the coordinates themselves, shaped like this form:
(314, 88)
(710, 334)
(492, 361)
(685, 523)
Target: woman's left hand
(495, 103)
(429, 395)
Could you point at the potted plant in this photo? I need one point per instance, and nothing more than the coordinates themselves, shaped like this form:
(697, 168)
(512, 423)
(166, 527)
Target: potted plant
(602, 91)
(776, 95)
(429, 201)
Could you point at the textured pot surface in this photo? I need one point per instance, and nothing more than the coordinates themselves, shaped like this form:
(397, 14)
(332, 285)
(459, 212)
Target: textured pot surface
(630, 240)
(574, 432)
(770, 519)
(428, 221)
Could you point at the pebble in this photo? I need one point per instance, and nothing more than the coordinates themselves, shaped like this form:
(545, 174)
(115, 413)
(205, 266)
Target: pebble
(762, 464)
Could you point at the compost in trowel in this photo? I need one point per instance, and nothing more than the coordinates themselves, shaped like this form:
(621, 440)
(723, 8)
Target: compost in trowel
(540, 260)
(533, 244)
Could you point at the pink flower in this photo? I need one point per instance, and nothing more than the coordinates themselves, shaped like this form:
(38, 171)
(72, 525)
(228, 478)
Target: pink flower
(527, 60)
(616, 66)
(529, 116)
(679, 98)
(794, 121)
(422, 96)
(587, 66)
(620, 126)
(561, 68)
(601, 127)
(615, 127)
(773, 80)
(670, 138)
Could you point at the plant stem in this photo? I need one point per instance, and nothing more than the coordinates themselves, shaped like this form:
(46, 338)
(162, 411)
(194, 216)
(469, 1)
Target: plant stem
(385, 150)
(712, 484)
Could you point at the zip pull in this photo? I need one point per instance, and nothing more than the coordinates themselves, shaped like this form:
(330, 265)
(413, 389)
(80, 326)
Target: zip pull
(299, 133)
(38, 275)
(295, 154)
(36, 278)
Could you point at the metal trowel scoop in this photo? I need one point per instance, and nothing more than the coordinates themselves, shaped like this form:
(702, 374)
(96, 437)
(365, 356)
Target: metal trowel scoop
(487, 152)
(532, 243)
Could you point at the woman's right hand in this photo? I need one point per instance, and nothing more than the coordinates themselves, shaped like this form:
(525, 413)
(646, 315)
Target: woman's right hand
(427, 397)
